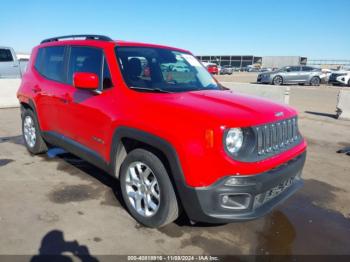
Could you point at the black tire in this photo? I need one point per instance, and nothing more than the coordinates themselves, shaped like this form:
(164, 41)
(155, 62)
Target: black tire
(39, 146)
(168, 209)
(277, 81)
(349, 83)
(315, 81)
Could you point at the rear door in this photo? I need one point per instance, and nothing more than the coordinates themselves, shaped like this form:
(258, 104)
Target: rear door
(49, 84)
(9, 66)
(305, 73)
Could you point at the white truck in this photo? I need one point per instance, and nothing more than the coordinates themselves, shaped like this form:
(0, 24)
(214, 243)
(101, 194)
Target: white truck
(10, 66)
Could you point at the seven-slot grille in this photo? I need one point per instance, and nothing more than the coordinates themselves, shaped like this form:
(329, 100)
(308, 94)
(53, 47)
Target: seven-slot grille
(277, 136)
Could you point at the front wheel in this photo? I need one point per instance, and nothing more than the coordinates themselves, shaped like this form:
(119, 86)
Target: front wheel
(147, 190)
(315, 81)
(31, 133)
(277, 81)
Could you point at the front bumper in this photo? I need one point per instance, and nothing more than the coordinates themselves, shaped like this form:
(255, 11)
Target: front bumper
(263, 79)
(258, 195)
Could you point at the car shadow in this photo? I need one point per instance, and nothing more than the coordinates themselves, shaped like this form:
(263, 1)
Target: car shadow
(88, 169)
(54, 248)
(112, 183)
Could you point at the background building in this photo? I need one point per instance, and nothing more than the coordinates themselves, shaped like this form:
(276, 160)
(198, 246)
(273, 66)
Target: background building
(329, 63)
(281, 61)
(237, 61)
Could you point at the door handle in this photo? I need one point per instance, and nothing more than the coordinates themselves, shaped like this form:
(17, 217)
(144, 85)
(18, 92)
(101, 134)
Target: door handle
(36, 89)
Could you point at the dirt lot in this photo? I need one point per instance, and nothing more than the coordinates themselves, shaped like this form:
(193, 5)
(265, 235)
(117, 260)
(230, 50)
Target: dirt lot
(46, 203)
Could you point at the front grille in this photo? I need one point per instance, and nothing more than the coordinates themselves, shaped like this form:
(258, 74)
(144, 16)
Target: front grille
(276, 137)
(333, 77)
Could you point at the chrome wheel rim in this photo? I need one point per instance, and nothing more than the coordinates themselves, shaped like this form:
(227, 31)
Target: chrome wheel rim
(29, 131)
(278, 80)
(314, 82)
(142, 189)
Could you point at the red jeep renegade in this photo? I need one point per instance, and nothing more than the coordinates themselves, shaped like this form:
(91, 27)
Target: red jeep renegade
(177, 140)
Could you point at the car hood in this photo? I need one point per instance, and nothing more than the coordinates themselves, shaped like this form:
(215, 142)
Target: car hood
(229, 107)
(268, 73)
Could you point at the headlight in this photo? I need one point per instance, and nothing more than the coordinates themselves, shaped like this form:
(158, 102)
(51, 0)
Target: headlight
(234, 140)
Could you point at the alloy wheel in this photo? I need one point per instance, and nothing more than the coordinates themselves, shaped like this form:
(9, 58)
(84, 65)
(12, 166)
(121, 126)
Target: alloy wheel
(142, 189)
(29, 131)
(277, 80)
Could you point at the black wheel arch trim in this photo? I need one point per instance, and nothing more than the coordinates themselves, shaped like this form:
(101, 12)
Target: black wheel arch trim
(30, 104)
(185, 193)
(273, 79)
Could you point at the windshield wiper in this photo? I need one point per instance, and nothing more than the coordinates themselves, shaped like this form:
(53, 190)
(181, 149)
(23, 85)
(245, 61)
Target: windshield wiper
(158, 90)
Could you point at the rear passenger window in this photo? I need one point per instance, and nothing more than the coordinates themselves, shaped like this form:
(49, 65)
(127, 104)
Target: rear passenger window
(307, 69)
(294, 68)
(5, 55)
(50, 63)
(84, 59)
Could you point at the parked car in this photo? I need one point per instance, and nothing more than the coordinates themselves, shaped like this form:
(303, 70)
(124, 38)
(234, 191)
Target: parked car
(10, 67)
(340, 78)
(292, 75)
(211, 67)
(226, 70)
(176, 142)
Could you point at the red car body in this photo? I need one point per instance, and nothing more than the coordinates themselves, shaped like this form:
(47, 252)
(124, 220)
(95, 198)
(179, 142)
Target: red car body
(192, 124)
(213, 69)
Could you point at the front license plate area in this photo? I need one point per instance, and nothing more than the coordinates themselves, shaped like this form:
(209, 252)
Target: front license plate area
(273, 192)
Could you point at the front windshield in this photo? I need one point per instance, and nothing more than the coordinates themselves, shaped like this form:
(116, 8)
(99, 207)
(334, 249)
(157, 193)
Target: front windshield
(149, 68)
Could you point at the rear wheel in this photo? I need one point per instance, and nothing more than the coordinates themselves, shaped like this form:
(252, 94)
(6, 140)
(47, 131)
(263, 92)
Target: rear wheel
(315, 81)
(349, 83)
(277, 80)
(147, 190)
(31, 133)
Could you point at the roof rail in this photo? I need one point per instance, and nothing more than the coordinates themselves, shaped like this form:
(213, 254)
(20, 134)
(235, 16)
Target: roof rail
(87, 37)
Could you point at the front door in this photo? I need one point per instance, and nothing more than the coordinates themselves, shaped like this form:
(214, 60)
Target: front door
(293, 74)
(83, 118)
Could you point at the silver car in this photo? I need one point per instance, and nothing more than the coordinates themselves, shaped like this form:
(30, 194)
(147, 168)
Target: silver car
(226, 70)
(292, 75)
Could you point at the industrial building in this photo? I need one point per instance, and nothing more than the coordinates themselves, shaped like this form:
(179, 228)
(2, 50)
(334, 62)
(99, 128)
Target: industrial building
(281, 61)
(243, 61)
(237, 61)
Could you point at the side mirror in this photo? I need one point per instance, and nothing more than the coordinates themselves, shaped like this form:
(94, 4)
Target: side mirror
(86, 80)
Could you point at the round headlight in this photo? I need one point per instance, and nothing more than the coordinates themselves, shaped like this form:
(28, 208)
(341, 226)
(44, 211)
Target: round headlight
(234, 140)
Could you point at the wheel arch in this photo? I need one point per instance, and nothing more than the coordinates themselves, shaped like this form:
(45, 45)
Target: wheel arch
(315, 76)
(29, 104)
(126, 139)
(278, 75)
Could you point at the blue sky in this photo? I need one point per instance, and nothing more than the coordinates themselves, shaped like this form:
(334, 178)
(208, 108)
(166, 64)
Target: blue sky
(316, 29)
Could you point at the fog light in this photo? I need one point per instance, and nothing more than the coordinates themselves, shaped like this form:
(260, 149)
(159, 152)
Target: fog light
(225, 199)
(235, 201)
